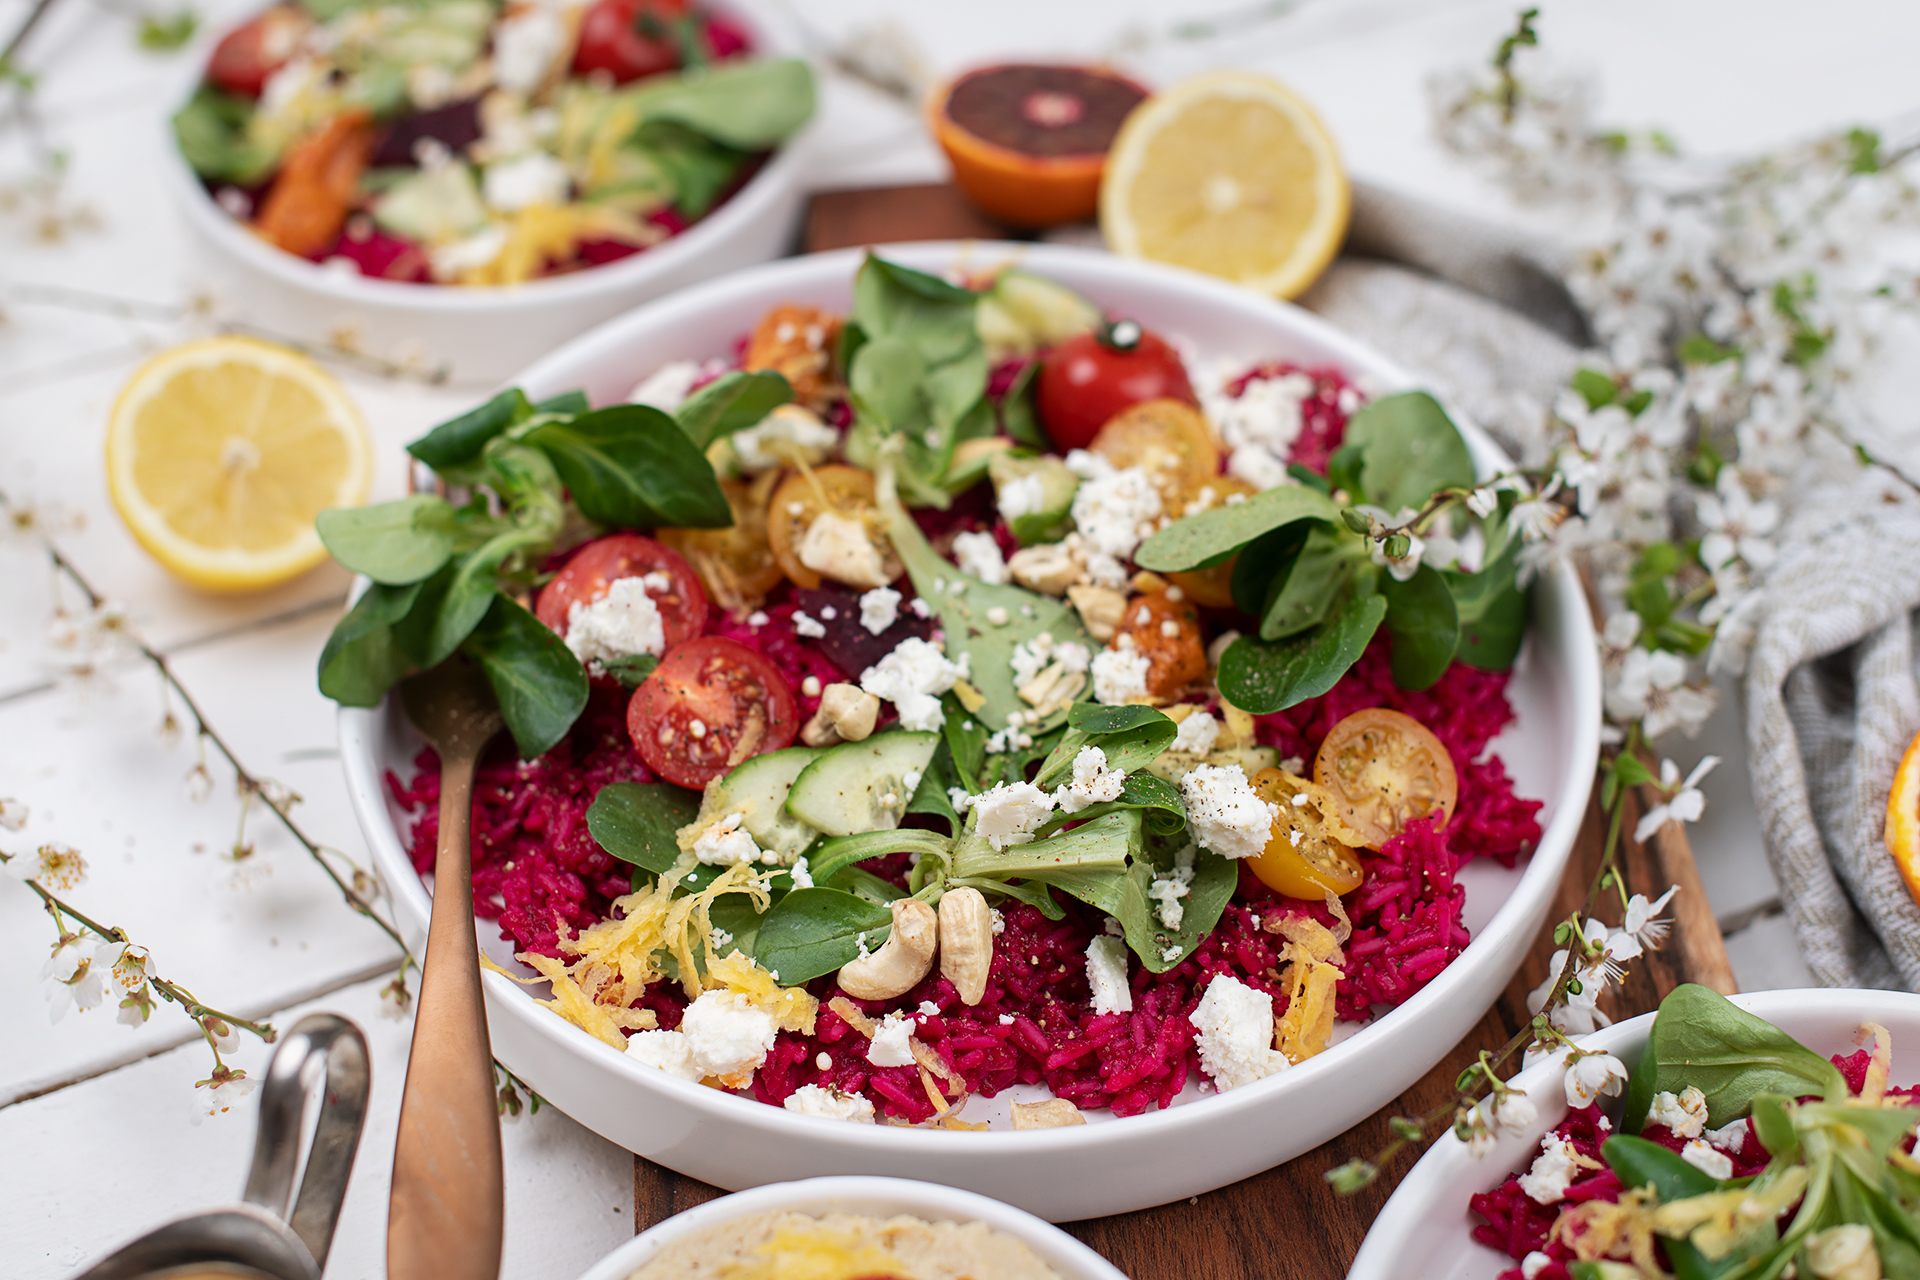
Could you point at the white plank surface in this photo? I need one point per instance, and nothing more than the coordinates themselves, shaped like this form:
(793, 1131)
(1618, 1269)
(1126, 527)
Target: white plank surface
(112, 1154)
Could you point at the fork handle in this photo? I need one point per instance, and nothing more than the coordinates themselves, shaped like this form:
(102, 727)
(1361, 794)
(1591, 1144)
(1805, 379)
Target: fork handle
(445, 1215)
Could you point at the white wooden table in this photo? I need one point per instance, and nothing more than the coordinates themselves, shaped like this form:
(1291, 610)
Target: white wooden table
(95, 1140)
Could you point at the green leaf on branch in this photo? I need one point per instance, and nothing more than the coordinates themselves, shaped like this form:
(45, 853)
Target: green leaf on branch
(163, 35)
(461, 439)
(540, 686)
(732, 402)
(630, 466)
(1412, 450)
(362, 659)
(1596, 388)
(393, 542)
(1209, 538)
(636, 822)
(813, 932)
(1263, 676)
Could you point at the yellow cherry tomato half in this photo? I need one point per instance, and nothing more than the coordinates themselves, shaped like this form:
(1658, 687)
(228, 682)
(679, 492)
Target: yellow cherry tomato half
(1386, 769)
(1310, 852)
(1170, 438)
(804, 496)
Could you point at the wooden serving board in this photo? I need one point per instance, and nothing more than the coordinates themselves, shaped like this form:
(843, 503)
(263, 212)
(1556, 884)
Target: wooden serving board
(1286, 1223)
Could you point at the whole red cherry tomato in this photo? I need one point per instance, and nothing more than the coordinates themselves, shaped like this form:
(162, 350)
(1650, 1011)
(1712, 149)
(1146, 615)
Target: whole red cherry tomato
(711, 705)
(629, 39)
(1087, 379)
(682, 603)
(247, 56)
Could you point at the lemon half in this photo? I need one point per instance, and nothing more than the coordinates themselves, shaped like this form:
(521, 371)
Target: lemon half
(1232, 174)
(221, 452)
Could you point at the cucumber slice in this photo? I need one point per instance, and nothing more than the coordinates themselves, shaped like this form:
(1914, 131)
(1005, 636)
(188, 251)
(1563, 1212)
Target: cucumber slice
(758, 791)
(843, 792)
(1023, 312)
(1046, 488)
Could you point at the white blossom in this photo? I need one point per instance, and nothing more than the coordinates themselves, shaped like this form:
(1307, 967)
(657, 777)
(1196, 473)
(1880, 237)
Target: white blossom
(219, 1095)
(1684, 801)
(1643, 929)
(57, 868)
(1737, 526)
(1650, 687)
(13, 814)
(1592, 1076)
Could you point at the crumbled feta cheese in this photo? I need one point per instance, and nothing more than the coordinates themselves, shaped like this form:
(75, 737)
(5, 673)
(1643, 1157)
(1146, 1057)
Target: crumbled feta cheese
(623, 622)
(1225, 813)
(998, 616)
(1533, 1264)
(802, 877)
(1113, 512)
(1703, 1156)
(829, 1104)
(1730, 1137)
(1197, 734)
(829, 612)
(1234, 1025)
(912, 678)
(978, 556)
(791, 433)
(911, 780)
(1010, 814)
(891, 1047)
(1022, 496)
(1088, 465)
(1005, 1019)
(727, 1035)
(1686, 1114)
(879, 609)
(807, 626)
(838, 546)
(1092, 782)
(1258, 426)
(726, 843)
(1170, 886)
(666, 1050)
(758, 618)
(524, 45)
(1259, 468)
(667, 388)
(959, 799)
(999, 921)
(920, 608)
(1107, 975)
(1119, 675)
(1552, 1172)
(450, 261)
(530, 178)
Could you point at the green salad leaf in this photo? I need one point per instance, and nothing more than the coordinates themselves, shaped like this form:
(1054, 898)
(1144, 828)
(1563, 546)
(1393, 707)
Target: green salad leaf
(393, 543)
(363, 658)
(461, 439)
(212, 132)
(813, 932)
(539, 684)
(631, 466)
(1703, 1039)
(1209, 538)
(637, 822)
(1411, 448)
(732, 402)
(1424, 625)
(1261, 676)
(750, 105)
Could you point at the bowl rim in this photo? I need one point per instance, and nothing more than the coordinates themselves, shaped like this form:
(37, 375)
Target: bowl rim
(359, 728)
(907, 1195)
(781, 173)
(1437, 1173)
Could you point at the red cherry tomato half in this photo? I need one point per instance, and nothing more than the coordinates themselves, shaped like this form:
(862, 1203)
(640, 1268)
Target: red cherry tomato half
(629, 39)
(711, 705)
(247, 56)
(598, 565)
(1087, 379)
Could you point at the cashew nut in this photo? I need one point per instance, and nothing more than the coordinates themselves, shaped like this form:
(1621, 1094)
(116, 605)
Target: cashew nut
(902, 960)
(847, 714)
(966, 942)
(1054, 1113)
(1100, 609)
(1048, 568)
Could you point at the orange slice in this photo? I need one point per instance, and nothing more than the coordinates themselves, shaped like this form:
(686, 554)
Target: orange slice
(1903, 818)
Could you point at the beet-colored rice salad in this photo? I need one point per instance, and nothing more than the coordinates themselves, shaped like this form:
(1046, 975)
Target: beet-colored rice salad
(1736, 1179)
(1032, 704)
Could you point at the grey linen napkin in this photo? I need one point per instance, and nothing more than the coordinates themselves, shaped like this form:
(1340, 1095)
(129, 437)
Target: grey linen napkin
(1833, 698)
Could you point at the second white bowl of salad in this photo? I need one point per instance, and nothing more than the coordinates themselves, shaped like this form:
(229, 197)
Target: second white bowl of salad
(459, 187)
(951, 785)
(1745, 1179)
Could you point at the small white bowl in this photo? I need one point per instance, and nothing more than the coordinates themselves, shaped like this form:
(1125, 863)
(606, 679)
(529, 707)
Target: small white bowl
(484, 333)
(1109, 1165)
(1426, 1228)
(881, 1197)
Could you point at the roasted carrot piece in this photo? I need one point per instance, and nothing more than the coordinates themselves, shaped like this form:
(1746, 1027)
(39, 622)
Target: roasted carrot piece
(308, 203)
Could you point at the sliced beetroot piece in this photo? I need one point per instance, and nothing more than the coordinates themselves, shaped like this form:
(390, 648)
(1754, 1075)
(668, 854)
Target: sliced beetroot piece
(598, 253)
(456, 125)
(726, 39)
(848, 645)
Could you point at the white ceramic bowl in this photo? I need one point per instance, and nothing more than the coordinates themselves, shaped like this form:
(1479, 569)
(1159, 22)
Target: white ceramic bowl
(1426, 1228)
(1109, 1165)
(483, 334)
(882, 1197)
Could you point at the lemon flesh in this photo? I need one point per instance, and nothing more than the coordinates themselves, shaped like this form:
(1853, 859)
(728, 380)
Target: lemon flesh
(221, 452)
(1230, 174)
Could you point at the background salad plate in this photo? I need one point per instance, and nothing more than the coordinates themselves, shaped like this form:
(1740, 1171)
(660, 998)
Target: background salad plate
(480, 334)
(1426, 1228)
(1109, 1165)
(879, 1197)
